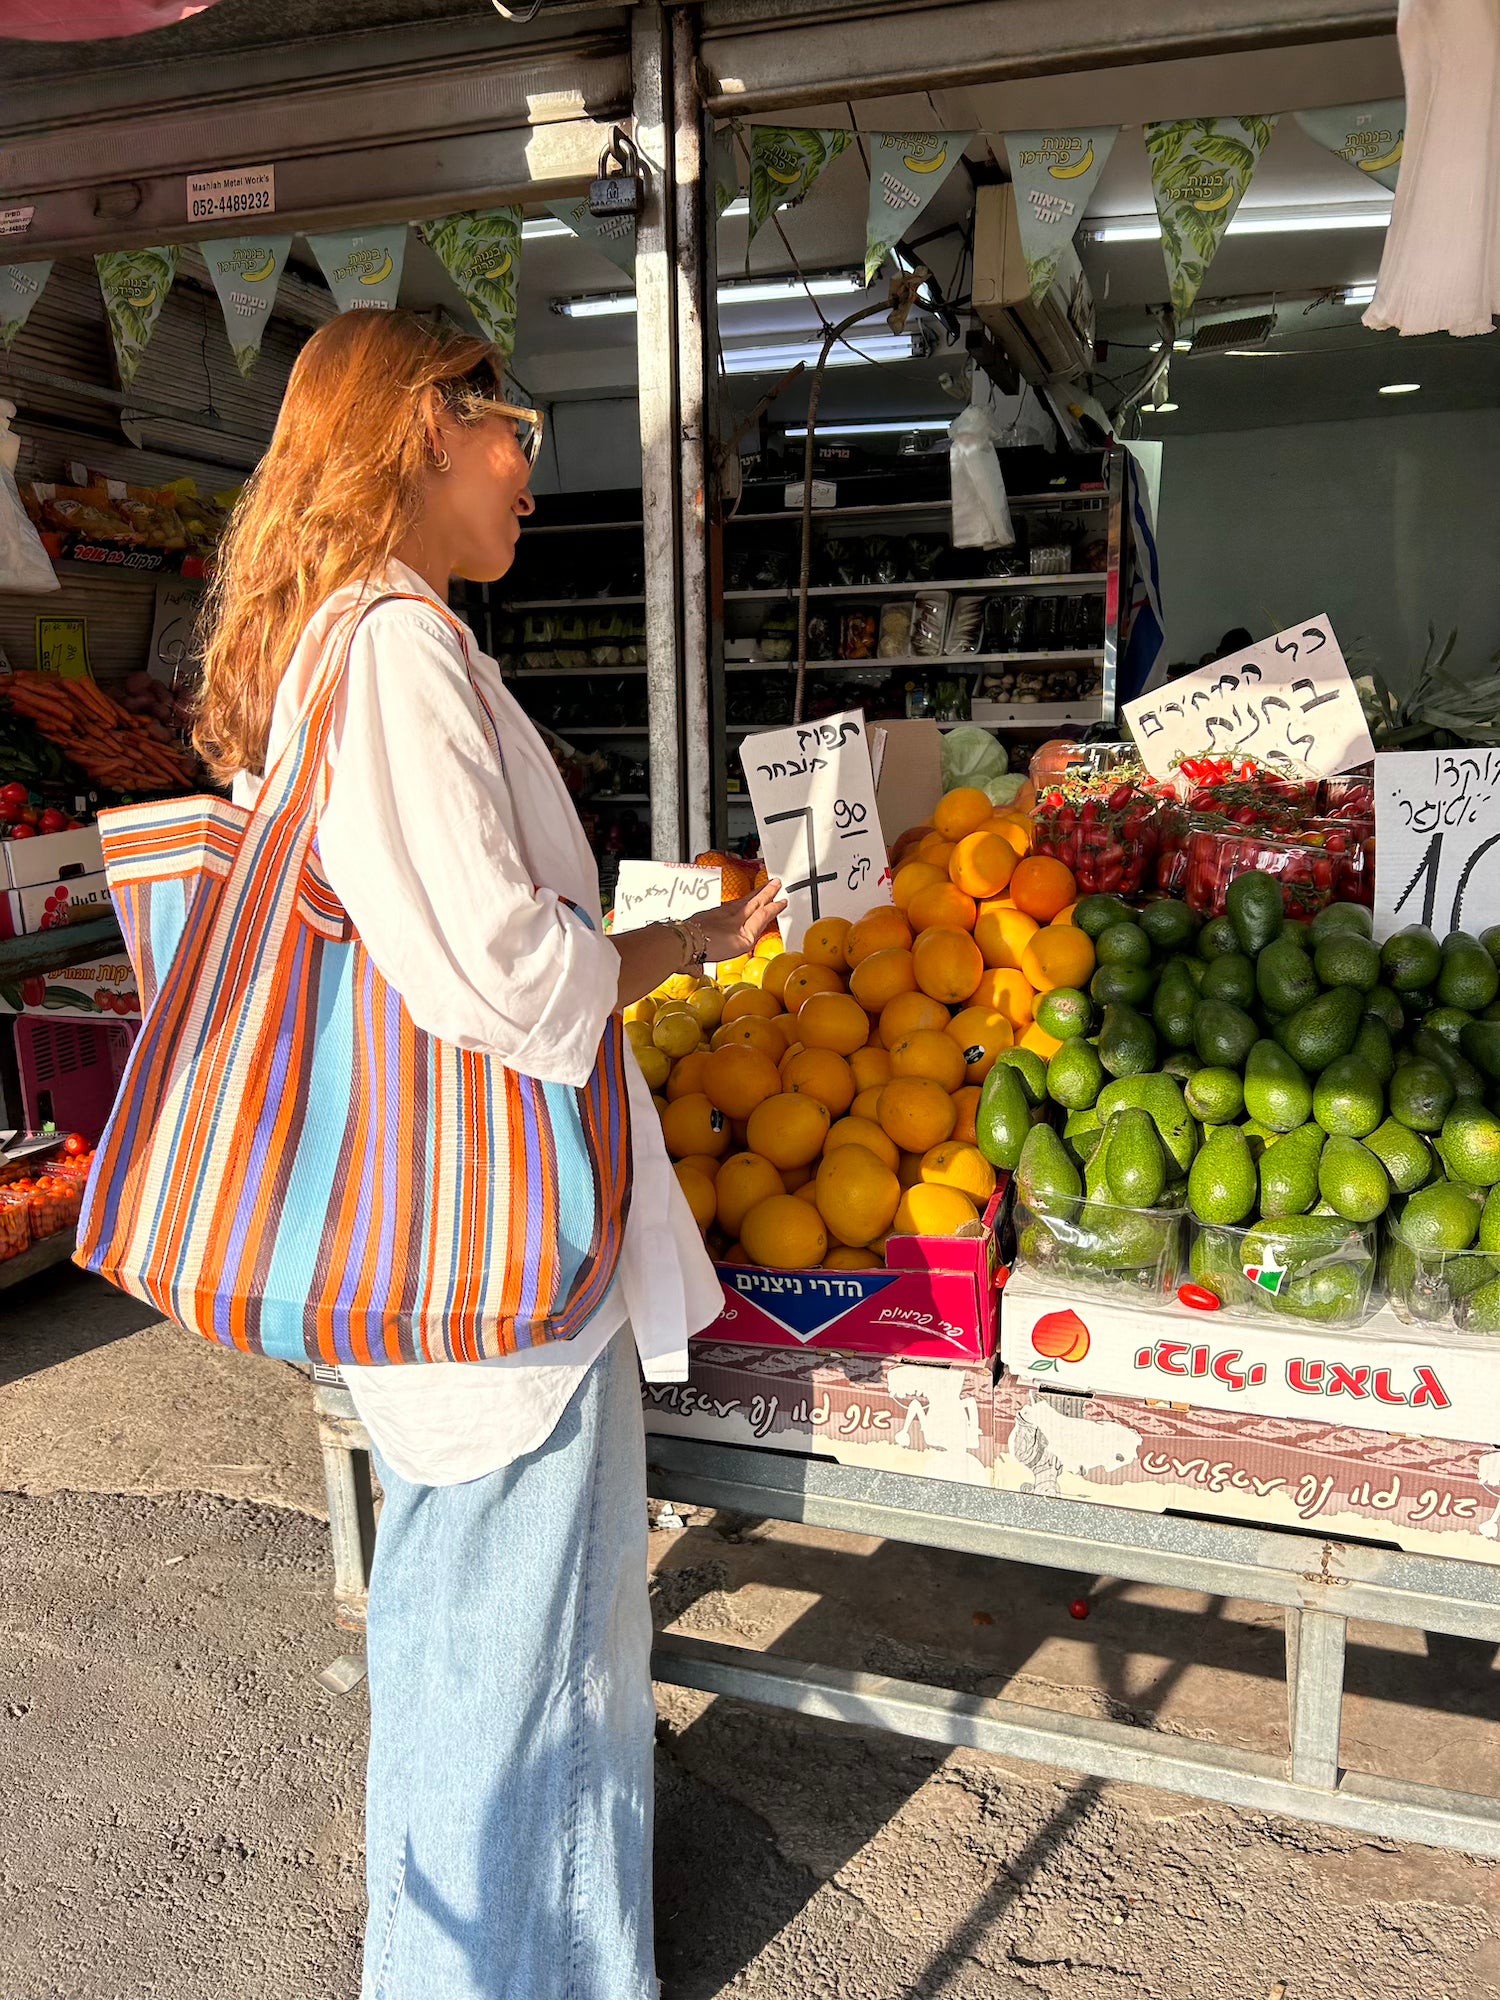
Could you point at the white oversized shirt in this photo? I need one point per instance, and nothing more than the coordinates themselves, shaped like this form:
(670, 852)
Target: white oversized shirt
(453, 872)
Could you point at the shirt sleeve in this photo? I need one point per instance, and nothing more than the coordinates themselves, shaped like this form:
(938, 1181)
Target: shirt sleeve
(418, 842)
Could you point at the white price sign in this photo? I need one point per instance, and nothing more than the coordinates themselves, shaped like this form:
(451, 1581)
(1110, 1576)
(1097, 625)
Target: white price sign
(1287, 700)
(1437, 840)
(657, 892)
(15, 221)
(814, 796)
(241, 191)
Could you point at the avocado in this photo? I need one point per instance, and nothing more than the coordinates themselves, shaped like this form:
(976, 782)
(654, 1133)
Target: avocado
(1338, 918)
(1467, 976)
(1223, 1034)
(1064, 1013)
(1480, 1312)
(1081, 1135)
(1480, 1042)
(1172, 1010)
(1170, 925)
(1489, 1222)
(1385, 1006)
(1161, 1097)
(1253, 905)
(1123, 944)
(1032, 1071)
(1182, 1063)
(1405, 1154)
(1469, 1145)
(1442, 1217)
(1490, 939)
(1373, 1047)
(1289, 1172)
(1469, 1083)
(1344, 958)
(1276, 1091)
(1137, 1167)
(1411, 959)
(1221, 1180)
(1421, 1095)
(1215, 1096)
(1003, 1119)
(1322, 1030)
(1095, 914)
(1230, 978)
(1045, 1173)
(1348, 1101)
(1284, 977)
(1352, 1180)
(1217, 936)
(1449, 1022)
(1127, 1042)
(1125, 985)
(1075, 1076)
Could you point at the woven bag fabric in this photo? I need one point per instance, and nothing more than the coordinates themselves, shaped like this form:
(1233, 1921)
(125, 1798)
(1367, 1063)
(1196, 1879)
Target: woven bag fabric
(294, 1168)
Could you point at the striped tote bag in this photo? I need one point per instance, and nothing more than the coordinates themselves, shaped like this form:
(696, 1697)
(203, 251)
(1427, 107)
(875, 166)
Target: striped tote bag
(292, 1166)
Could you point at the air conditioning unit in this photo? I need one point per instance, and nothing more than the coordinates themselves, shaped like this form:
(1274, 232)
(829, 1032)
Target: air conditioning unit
(1050, 341)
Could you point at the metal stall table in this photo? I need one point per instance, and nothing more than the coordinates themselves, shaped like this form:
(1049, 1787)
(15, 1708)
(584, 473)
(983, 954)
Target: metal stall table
(1319, 1586)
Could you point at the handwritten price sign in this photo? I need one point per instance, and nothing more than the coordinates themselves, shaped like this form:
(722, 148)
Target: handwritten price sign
(1287, 700)
(1437, 840)
(657, 892)
(814, 796)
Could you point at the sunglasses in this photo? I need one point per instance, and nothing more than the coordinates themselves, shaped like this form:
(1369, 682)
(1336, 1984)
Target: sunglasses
(486, 386)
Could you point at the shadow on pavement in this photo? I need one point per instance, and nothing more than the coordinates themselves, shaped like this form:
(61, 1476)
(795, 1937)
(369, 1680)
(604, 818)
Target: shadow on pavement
(58, 1316)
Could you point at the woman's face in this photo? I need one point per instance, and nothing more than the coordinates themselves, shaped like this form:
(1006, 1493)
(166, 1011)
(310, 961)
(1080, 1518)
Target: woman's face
(478, 503)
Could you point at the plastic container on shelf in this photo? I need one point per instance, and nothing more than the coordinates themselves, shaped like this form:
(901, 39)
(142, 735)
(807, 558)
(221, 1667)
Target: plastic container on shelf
(1309, 876)
(1080, 1244)
(1350, 844)
(15, 1224)
(1457, 1290)
(1351, 795)
(1106, 836)
(1065, 757)
(1317, 1268)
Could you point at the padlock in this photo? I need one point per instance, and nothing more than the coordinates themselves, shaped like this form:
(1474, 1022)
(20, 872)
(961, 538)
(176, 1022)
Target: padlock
(621, 191)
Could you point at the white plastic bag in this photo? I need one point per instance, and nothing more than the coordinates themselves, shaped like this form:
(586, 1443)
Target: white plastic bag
(981, 512)
(24, 564)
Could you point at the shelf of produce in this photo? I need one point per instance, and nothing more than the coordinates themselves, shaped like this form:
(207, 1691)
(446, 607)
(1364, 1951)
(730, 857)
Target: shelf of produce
(879, 512)
(952, 662)
(568, 603)
(1040, 715)
(50, 951)
(50, 1250)
(1094, 578)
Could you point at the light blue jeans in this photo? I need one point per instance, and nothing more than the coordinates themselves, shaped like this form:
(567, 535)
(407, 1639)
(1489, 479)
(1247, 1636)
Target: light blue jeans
(508, 1819)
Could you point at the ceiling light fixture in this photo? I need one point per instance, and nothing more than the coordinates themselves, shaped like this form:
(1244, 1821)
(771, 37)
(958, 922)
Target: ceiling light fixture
(1182, 347)
(1164, 409)
(1358, 295)
(763, 360)
(897, 429)
(1400, 388)
(539, 226)
(751, 292)
(1250, 222)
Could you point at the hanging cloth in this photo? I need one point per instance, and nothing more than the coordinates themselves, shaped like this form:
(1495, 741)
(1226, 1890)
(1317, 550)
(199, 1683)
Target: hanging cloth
(1441, 268)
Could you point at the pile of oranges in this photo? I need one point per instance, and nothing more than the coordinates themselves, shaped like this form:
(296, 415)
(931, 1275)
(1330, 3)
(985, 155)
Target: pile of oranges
(818, 1101)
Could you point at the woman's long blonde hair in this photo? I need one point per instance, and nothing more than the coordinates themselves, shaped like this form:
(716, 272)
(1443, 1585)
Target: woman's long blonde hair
(336, 494)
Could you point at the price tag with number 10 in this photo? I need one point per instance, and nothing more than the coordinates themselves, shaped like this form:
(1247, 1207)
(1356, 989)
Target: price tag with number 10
(814, 796)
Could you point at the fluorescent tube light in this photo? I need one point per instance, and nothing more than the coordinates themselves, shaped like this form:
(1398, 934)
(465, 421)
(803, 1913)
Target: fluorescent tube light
(1400, 388)
(872, 430)
(1164, 409)
(1358, 295)
(751, 292)
(1250, 222)
(538, 226)
(772, 360)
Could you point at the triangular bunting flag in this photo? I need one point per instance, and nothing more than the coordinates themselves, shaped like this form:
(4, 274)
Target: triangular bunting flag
(480, 250)
(726, 169)
(1368, 136)
(784, 164)
(246, 271)
(1200, 169)
(20, 287)
(906, 171)
(362, 266)
(135, 284)
(612, 235)
(1054, 175)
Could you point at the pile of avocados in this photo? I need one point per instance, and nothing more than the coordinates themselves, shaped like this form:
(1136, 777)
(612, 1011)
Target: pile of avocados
(1287, 1084)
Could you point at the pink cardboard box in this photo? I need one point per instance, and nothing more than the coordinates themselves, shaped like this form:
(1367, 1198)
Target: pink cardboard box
(935, 1301)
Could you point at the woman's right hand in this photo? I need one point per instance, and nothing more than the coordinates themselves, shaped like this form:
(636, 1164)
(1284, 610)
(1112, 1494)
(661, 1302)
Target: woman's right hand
(736, 928)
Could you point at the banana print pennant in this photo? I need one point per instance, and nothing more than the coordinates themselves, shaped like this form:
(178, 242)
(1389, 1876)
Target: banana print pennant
(135, 284)
(906, 171)
(21, 285)
(784, 164)
(362, 266)
(1200, 169)
(480, 249)
(246, 271)
(1054, 174)
(1369, 136)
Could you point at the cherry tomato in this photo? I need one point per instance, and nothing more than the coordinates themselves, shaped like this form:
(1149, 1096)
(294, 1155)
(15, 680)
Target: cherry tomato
(22, 831)
(12, 798)
(75, 1143)
(52, 821)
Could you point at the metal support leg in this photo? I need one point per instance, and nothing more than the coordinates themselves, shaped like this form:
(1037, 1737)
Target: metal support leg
(1315, 1695)
(351, 1523)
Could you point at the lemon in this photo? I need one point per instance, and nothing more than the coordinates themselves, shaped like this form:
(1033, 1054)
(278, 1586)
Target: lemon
(638, 1034)
(676, 1034)
(654, 1066)
(706, 1007)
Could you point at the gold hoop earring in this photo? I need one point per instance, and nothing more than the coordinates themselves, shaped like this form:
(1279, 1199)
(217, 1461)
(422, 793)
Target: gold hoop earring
(442, 463)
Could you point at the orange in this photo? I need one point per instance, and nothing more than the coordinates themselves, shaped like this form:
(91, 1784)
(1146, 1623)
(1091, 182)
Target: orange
(706, 1007)
(877, 979)
(736, 1080)
(779, 971)
(789, 1128)
(700, 1194)
(687, 1076)
(794, 1179)
(867, 1101)
(750, 1031)
(744, 1179)
(916, 1112)
(940, 903)
(936, 850)
(1016, 828)
(735, 1254)
(862, 1132)
(742, 1000)
(822, 1074)
(1025, 798)
(702, 1163)
(908, 1011)
(693, 1125)
(1060, 955)
(981, 1033)
(1041, 887)
(808, 1191)
(731, 971)
(966, 1104)
(806, 981)
(933, 1211)
(824, 942)
(858, 1195)
(1040, 1042)
(910, 1170)
(842, 1258)
(659, 1101)
(948, 965)
(881, 930)
(982, 864)
(1066, 916)
(770, 945)
(870, 1066)
(751, 972)
(1002, 933)
(930, 1052)
(960, 1166)
(907, 842)
(653, 1065)
(961, 811)
(912, 876)
(785, 1233)
(833, 1021)
(1008, 991)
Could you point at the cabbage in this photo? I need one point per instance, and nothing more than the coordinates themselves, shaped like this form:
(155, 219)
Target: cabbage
(971, 756)
(1002, 791)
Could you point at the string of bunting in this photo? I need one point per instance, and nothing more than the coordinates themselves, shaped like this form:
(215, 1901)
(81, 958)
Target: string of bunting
(1200, 171)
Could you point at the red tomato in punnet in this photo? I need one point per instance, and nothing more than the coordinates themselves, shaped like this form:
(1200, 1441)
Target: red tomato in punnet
(21, 831)
(12, 797)
(74, 1144)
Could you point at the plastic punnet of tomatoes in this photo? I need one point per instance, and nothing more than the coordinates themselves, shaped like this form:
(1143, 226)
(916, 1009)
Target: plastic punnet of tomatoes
(1065, 757)
(1308, 874)
(15, 1224)
(54, 1203)
(1104, 831)
(1351, 795)
(1351, 845)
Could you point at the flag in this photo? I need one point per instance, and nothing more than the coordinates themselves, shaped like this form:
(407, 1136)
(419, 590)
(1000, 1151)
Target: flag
(784, 164)
(362, 266)
(1054, 175)
(135, 284)
(906, 171)
(1368, 136)
(613, 235)
(480, 249)
(246, 271)
(1200, 169)
(20, 288)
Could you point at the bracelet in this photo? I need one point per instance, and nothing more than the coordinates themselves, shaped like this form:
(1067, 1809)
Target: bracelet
(693, 942)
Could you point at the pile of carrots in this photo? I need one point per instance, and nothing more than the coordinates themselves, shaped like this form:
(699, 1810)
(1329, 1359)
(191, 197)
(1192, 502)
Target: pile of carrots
(128, 753)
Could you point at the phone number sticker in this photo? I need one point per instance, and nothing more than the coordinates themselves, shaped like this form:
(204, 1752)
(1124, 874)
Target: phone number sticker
(236, 191)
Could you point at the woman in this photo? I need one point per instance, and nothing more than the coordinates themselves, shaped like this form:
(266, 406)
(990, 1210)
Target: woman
(509, 1804)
